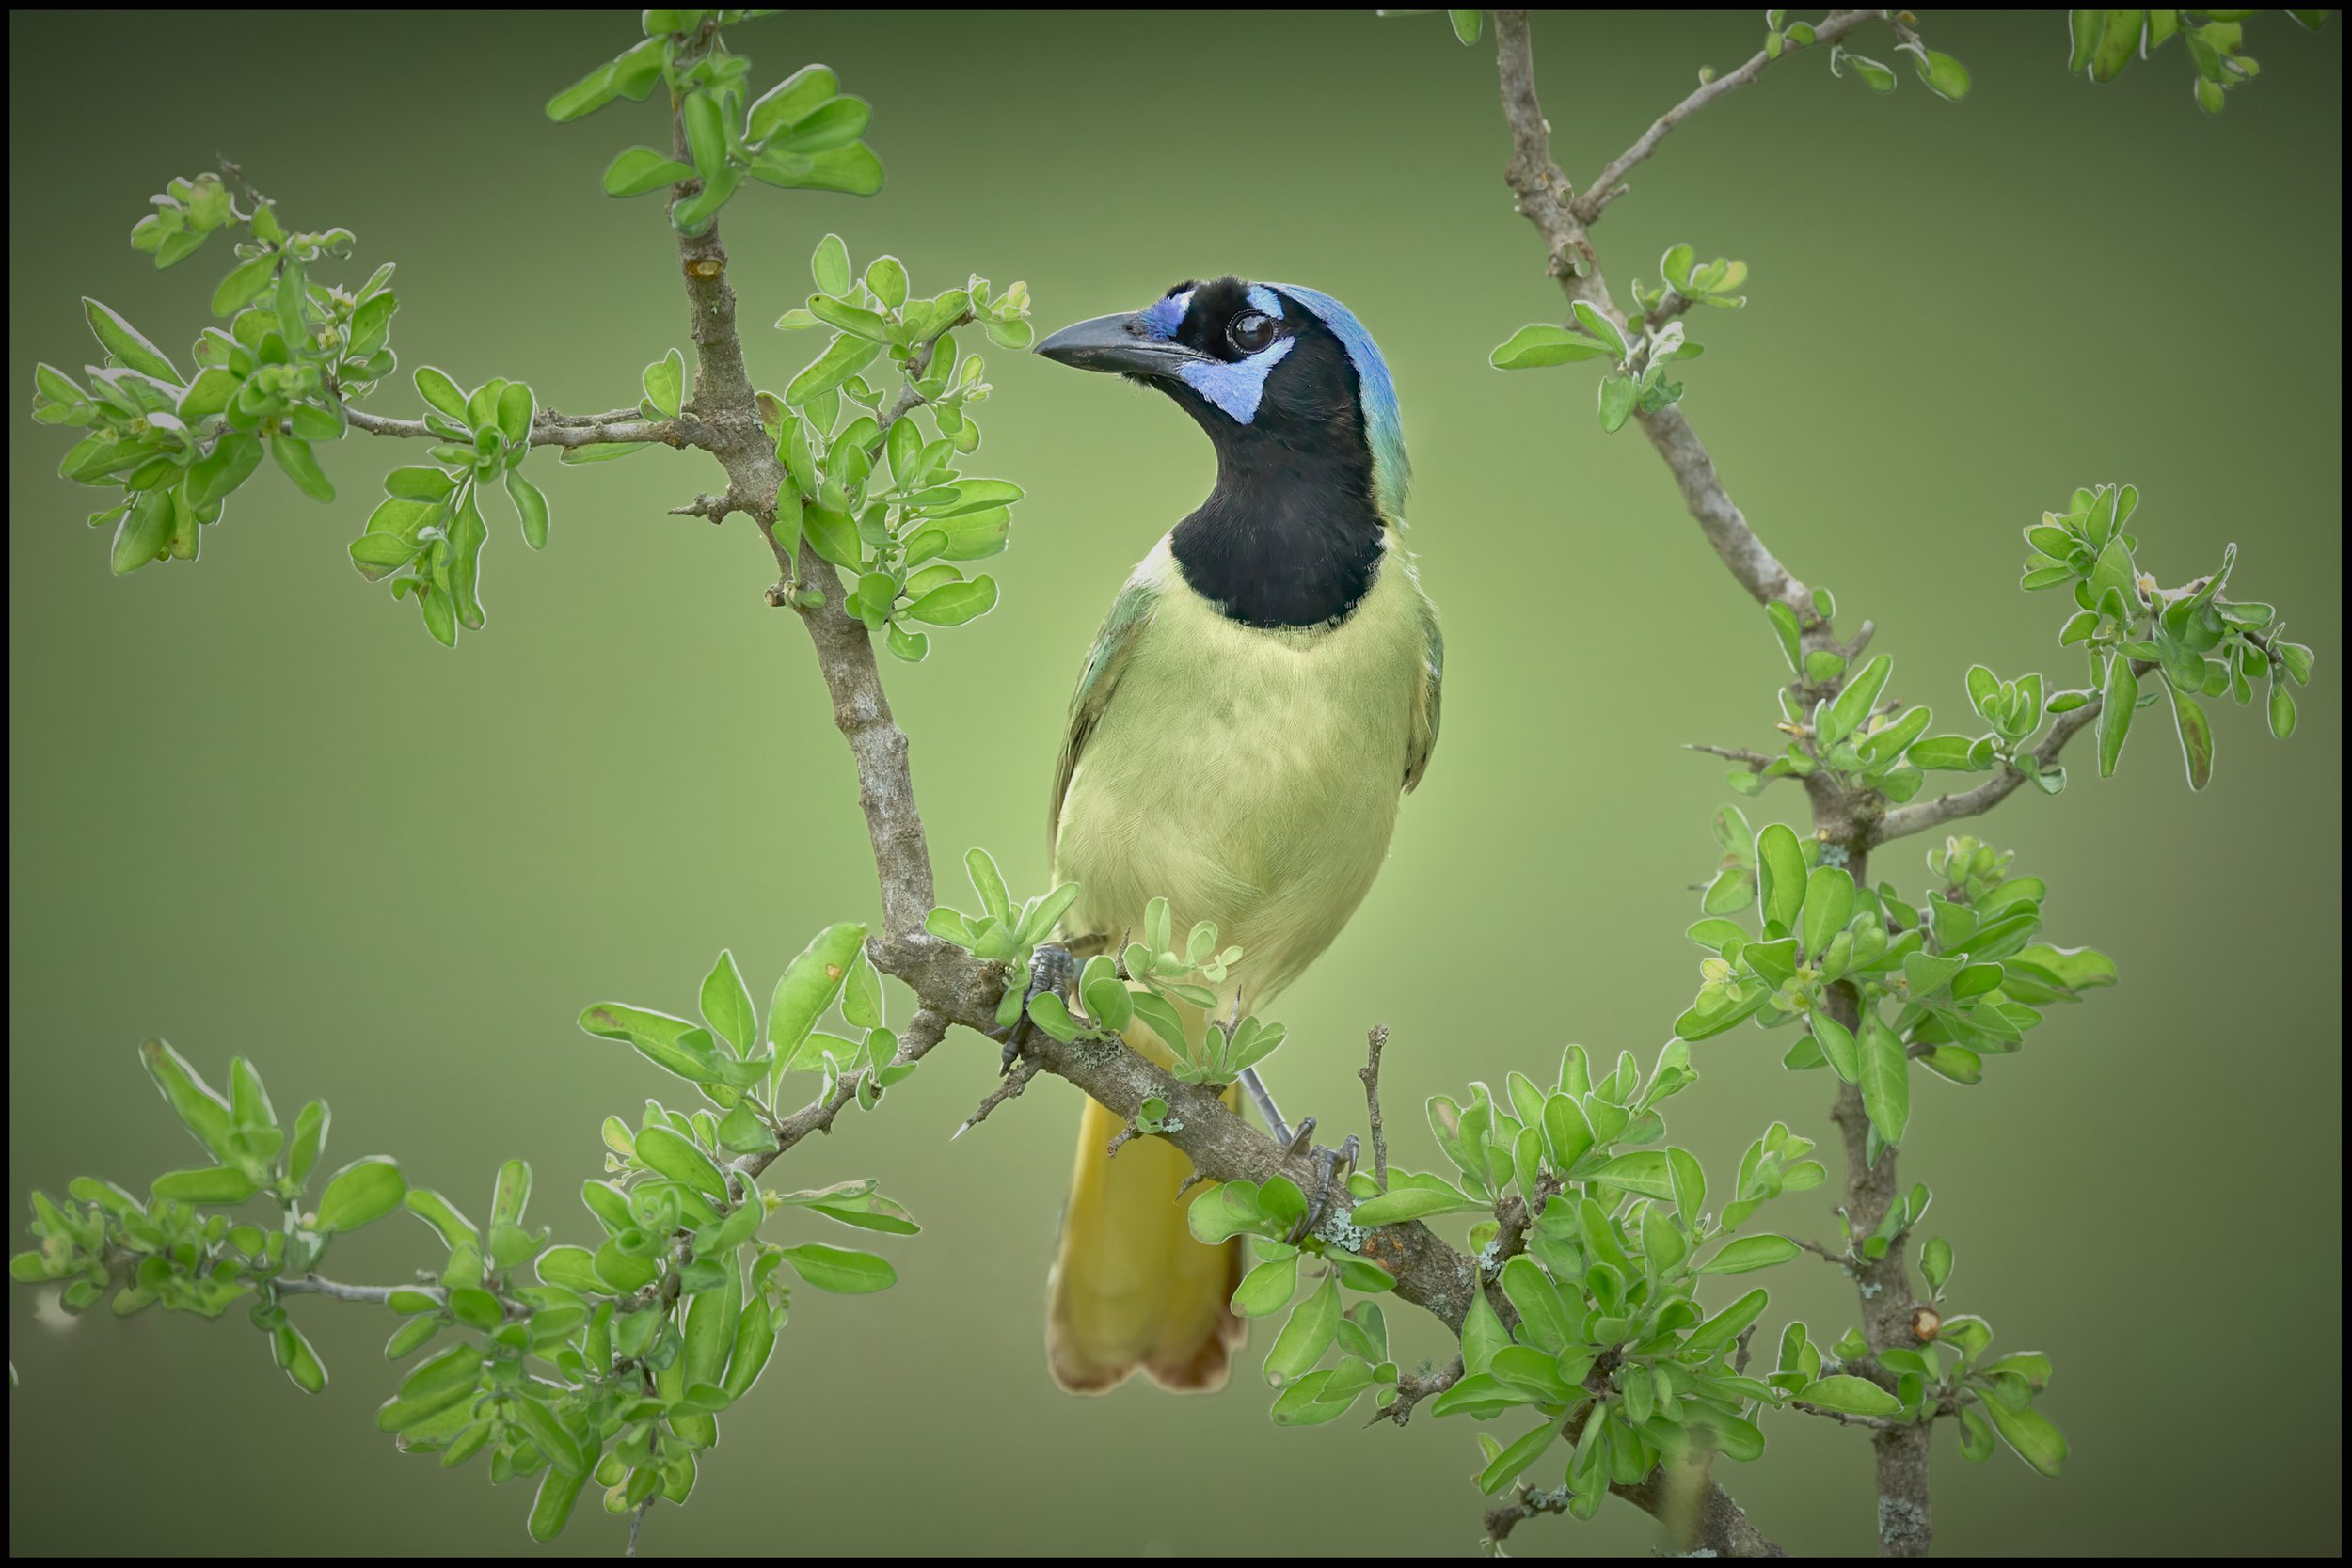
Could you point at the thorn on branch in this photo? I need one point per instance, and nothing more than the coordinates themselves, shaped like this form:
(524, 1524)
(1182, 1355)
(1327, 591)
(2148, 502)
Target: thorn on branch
(1755, 762)
(1011, 1088)
(713, 507)
(1412, 1388)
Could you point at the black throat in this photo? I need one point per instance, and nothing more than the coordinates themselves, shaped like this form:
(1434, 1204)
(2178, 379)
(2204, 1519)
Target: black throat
(1288, 538)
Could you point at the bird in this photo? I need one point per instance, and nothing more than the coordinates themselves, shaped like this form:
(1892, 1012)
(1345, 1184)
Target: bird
(1264, 689)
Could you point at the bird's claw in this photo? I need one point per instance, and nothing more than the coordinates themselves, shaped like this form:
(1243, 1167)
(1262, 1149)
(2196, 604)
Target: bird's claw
(1332, 1168)
(1051, 969)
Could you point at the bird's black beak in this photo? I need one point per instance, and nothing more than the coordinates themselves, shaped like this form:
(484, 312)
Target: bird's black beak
(1118, 344)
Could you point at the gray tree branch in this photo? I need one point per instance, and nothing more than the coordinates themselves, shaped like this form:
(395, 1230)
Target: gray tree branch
(551, 429)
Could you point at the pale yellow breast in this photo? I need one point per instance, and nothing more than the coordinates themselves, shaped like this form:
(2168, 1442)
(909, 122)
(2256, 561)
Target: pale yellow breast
(1250, 777)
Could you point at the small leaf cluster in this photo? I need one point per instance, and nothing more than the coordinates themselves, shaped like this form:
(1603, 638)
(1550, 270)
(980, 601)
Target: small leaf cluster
(1835, 722)
(1002, 934)
(1596, 1326)
(1965, 975)
(177, 444)
(1637, 356)
(1950, 1373)
(2204, 644)
(2104, 43)
(650, 1334)
(740, 1067)
(426, 535)
(166, 1251)
(804, 133)
(1943, 75)
(873, 494)
(1163, 978)
(1782, 34)
(1266, 1214)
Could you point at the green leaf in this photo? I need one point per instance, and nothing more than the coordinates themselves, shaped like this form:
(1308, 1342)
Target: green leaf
(831, 264)
(2196, 733)
(1266, 1289)
(638, 169)
(954, 603)
(245, 284)
(1846, 714)
(677, 1158)
(1782, 863)
(1829, 900)
(1749, 1253)
(203, 1112)
(1855, 1396)
(531, 505)
(1505, 1466)
(1724, 1326)
(1617, 393)
(839, 1270)
(295, 457)
(727, 1004)
(1541, 345)
(851, 170)
(790, 100)
(1400, 1204)
(665, 382)
(843, 358)
(1465, 29)
(361, 1193)
(125, 343)
(221, 1184)
(1482, 1335)
(1944, 75)
(1838, 1045)
(809, 984)
(2115, 713)
(1886, 1079)
(2036, 1440)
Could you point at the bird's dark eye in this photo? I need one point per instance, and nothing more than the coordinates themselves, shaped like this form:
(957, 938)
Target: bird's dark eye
(1250, 331)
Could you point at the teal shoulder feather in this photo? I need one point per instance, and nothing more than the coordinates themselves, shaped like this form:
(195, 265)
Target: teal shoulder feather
(1114, 645)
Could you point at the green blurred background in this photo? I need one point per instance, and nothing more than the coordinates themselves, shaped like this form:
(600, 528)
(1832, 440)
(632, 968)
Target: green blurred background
(252, 808)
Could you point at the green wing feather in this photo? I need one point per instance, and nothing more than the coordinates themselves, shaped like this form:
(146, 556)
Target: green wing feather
(1114, 645)
(1425, 715)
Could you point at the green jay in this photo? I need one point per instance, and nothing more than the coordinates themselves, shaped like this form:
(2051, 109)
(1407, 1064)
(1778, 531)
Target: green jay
(1264, 688)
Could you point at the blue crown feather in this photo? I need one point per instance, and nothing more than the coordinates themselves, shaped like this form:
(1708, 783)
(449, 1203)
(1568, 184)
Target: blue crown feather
(1390, 469)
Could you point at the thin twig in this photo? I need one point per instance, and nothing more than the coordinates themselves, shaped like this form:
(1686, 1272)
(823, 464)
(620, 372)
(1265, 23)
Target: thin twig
(1370, 1074)
(636, 1522)
(1606, 185)
(1903, 821)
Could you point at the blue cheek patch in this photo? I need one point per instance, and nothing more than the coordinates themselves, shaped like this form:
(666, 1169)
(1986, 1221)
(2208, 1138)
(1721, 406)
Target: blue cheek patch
(1236, 388)
(1265, 299)
(1162, 317)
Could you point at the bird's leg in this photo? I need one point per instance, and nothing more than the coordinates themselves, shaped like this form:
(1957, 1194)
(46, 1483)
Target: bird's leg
(1266, 1108)
(1333, 1166)
(1051, 969)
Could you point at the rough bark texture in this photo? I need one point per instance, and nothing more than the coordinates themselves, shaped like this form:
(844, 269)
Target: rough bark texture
(1851, 821)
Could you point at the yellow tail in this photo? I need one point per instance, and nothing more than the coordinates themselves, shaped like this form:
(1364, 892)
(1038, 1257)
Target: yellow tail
(1130, 1286)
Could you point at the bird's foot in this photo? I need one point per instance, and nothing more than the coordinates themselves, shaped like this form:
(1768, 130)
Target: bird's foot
(1333, 1166)
(1051, 969)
